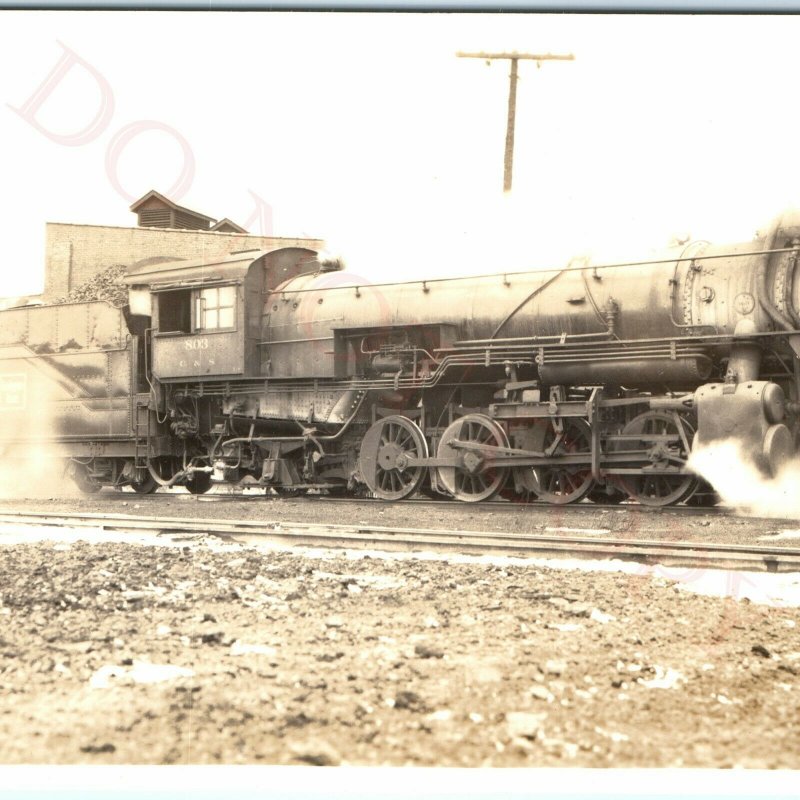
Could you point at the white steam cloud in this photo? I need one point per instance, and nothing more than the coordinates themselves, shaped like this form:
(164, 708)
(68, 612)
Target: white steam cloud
(34, 403)
(30, 465)
(35, 474)
(743, 487)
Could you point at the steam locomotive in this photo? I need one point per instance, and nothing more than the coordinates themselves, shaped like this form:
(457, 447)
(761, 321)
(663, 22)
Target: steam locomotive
(277, 369)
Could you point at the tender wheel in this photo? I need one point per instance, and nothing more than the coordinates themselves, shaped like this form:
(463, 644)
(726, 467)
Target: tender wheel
(385, 450)
(475, 478)
(563, 484)
(658, 490)
(200, 483)
(147, 485)
(81, 478)
(161, 470)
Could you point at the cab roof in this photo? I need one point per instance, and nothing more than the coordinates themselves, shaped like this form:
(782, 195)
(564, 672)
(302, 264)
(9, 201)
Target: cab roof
(232, 268)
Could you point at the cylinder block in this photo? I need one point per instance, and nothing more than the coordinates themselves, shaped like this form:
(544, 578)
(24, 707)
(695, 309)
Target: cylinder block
(778, 448)
(773, 402)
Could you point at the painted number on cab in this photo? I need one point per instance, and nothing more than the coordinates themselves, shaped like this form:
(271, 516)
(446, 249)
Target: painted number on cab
(196, 344)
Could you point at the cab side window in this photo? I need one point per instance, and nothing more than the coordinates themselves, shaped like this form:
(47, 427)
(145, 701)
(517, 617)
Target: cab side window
(175, 311)
(216, 309)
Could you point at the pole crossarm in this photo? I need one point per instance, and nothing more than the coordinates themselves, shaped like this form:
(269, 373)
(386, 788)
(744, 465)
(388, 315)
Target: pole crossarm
(513, 77)
(524, 56)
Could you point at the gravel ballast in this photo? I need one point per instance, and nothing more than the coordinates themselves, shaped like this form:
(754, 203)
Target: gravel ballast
(200, 652)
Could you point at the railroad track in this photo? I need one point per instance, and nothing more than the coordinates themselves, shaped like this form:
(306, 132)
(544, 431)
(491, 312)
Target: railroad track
(487, 505)
(758, 558)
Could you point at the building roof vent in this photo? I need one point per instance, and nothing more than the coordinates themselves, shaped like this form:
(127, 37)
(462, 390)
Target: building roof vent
(156, 211)
(227, 226)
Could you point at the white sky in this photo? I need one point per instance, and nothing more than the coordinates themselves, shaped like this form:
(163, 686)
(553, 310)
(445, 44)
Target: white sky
(366, 130)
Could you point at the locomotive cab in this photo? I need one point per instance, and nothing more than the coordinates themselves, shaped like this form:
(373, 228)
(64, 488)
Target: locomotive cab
(206, 315)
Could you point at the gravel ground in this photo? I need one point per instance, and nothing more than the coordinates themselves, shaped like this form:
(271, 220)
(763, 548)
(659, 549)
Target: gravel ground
(188, 653)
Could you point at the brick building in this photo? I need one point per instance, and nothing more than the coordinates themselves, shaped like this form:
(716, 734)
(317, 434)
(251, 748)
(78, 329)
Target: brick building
(75, 253)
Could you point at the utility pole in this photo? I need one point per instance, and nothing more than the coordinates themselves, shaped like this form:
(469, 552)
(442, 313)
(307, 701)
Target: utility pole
(514, 58)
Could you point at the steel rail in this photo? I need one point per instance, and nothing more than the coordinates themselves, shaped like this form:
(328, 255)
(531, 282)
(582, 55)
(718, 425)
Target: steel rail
(515, 504)
(757, 558)
(443, 503)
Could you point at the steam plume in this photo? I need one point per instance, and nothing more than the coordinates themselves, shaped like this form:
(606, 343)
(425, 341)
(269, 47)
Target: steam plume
(743, 487)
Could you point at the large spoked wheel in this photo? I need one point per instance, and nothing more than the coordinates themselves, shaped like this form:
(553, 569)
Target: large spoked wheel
(659, 489)
(569, 483)
(474, 478)
(383, 460)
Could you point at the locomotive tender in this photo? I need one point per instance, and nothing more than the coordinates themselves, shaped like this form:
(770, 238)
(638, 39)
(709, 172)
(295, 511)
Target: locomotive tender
(278, 370)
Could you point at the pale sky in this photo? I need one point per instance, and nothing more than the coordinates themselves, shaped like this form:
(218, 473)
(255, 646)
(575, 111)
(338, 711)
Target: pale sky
(366, 130)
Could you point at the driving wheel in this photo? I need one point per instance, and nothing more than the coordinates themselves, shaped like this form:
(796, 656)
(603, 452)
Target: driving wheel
(661, 440)
(568, 483)
(475, 478)
(384, 455)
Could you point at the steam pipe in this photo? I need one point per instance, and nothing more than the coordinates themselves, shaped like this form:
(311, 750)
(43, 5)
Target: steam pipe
(744, 363)
(775, 315)
(525, 302)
